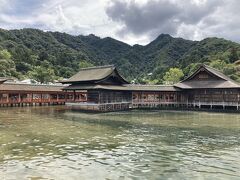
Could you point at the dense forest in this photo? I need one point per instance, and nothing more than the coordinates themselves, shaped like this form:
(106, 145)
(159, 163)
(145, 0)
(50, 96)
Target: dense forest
(49, 56)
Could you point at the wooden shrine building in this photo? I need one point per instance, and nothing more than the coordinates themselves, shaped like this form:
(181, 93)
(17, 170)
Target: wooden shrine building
(104, 89)
(14, 94)
(107, 90)
(104, 86)
(209, 88)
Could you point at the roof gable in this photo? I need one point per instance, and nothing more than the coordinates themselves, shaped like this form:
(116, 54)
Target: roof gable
(215, 79)
(2, 80)
(96, 75)
(212, 73)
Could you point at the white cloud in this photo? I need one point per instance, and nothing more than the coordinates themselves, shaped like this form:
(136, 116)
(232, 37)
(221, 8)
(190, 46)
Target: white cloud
(76, 17)
(223, 22)
(3, 4)
(132, 21)
(71, 16)
(154, 17)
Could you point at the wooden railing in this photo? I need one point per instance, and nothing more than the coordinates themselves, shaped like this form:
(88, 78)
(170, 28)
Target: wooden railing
(102, 107)
(153, 101)
(30, 100)
(194, 103)
(215, 103)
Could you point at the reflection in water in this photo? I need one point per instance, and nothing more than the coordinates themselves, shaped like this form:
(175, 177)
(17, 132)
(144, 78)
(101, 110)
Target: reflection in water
(56, 143)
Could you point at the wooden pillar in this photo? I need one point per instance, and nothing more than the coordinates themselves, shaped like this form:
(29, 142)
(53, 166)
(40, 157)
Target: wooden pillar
(31, 99)
(159, 100)
(65, 99)
(57, 99)
(74, 95)
(80, 97)
(19, 97)
(238, 97)
(154, 98)
(7, 97)
(99, 97)
(132, 97)
(238, 101)
(40, 104)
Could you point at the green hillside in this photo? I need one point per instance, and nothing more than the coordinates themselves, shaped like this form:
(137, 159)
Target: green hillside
(36, 54)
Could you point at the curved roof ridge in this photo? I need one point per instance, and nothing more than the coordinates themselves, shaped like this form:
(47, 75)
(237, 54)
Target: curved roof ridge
(24, 84)
(29, 87)
(160, 85)
(2, 80)
(97, 67)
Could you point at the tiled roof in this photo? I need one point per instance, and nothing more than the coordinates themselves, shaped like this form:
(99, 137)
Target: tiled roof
(219, 84)
(125, 87)
(222, 82)
(30, 87)
(93, 74)
(2, 80)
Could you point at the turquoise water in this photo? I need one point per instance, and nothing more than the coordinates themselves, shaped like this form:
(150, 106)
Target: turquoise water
(57, 143)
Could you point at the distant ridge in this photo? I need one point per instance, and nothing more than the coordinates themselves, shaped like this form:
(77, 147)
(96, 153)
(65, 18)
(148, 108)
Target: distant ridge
(63, 52)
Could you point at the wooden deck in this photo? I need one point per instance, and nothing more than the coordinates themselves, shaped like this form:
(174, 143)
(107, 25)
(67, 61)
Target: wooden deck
(10, 99)
(187, 105)
(104, 107)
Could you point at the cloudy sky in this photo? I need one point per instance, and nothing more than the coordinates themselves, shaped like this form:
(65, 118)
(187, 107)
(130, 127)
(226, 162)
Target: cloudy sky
(131, 21)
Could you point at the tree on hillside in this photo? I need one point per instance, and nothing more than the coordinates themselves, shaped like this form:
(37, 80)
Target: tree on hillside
(158, 74)
(233, 55)
(218, 64)
(4, 54)
(42, 74)
(191, 68)
(173, 76)
(85, 64)
(7, 65)
(230, 70)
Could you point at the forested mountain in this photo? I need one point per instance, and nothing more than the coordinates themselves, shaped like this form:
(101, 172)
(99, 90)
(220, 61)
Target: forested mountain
(33, 53)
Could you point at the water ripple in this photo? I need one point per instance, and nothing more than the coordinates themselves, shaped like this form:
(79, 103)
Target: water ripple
(128, 145)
